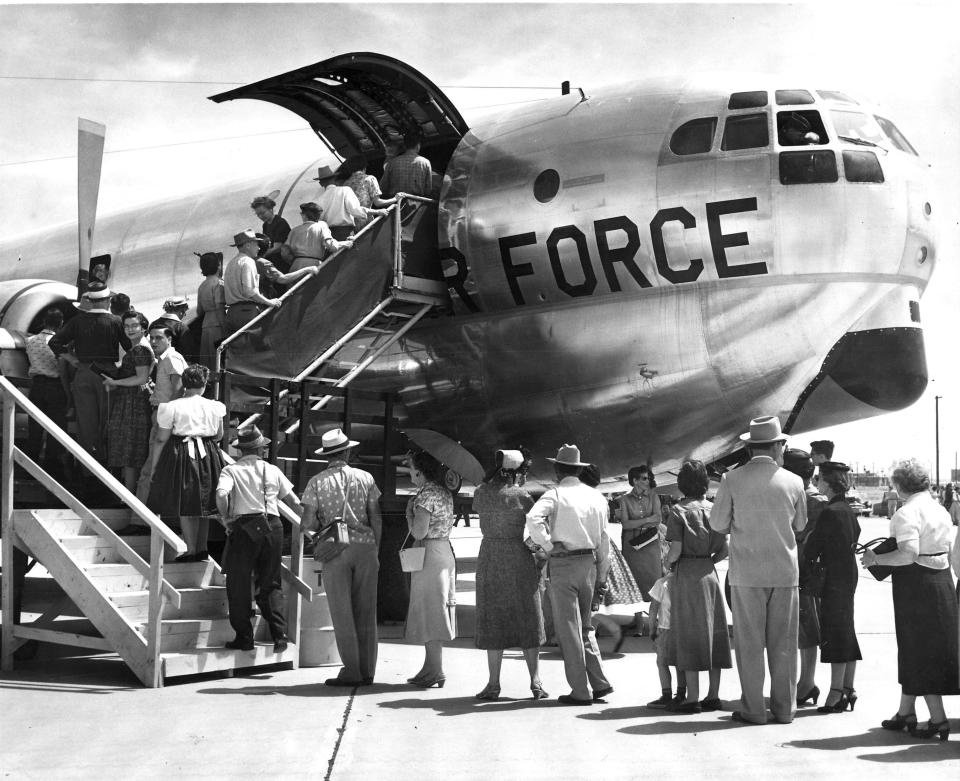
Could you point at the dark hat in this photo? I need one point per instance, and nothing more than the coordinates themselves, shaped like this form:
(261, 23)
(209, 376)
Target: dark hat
(239, 239)
(250, 438)
(833, 466)
(797, 461)
(324, 173)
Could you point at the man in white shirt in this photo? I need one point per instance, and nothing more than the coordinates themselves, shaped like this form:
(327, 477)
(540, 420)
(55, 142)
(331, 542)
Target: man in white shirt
(340, 207)
(762, 506)
(241, 283)
(570, 523)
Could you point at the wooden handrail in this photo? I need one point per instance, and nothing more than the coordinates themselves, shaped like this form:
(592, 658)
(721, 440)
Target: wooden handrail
(94, 466)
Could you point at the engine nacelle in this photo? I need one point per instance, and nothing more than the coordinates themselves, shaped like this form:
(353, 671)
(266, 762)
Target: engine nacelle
(22, 302)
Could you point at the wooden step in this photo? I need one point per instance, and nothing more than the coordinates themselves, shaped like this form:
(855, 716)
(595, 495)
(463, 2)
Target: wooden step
(208, 660)
(110, 578)
(93, 549)
(202, 602)
(181, 634)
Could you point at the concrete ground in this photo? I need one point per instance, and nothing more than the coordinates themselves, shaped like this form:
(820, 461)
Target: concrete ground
(88, 717)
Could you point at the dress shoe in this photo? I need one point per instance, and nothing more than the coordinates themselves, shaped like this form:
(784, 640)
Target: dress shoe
(738, 717)
(711, 704)
(279, 646)
(661, 702)
(838, 707)
(942, 730)
(429, 681)
(538, 692)
(599, 694)
(239, 644)
(685, 707)
(851, 695)
(185, 558)
(341, 682)
(812, 695)
(367, 681)
(489, 693)
(568, 699)
(907, 721)
(416, 678)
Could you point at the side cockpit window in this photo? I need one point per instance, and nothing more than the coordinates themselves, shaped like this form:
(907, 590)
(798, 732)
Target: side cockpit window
(800, 128)
(794, 97)
(745, 131)
(694, 137)
(755, 99)
(898, 139)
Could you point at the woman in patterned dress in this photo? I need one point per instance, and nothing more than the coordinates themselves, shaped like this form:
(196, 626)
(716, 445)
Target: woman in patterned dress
(432, 614)
(128, 430)
(509, 613)
(638, 510)
(366, 187)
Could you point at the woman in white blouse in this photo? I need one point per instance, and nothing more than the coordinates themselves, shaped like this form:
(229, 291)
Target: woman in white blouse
(924, 605)
(187, 463)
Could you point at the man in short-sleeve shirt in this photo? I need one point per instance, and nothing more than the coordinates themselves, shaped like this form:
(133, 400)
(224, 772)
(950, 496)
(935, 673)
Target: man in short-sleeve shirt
(340, 491)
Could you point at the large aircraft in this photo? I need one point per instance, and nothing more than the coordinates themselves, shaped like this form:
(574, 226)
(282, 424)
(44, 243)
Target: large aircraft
(639, 270)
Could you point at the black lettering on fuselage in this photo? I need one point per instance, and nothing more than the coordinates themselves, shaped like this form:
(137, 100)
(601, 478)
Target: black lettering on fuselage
(624, 254)
(574, 234)
(719, 241)
(455, 273)
(514, 272)
(687, 220)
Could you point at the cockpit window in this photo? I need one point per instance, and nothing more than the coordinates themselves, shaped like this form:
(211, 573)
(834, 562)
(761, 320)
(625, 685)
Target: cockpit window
(793, 97)
(745, 131)
(813, 167)
(800, 128)
(853, 124)
(898, 139)
(756, 99)
(839, 97)
(862, 167)
(694, 137)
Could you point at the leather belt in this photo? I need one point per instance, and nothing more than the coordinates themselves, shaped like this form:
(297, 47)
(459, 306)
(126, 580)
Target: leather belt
(691, 556)
(578, 552)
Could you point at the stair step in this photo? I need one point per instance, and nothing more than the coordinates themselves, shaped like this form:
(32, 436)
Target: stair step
(111, 578)
(180, 634)
(202, 602)
(206, 660)
(93, 549)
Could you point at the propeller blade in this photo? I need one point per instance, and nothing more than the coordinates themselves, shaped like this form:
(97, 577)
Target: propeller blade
(90, 136)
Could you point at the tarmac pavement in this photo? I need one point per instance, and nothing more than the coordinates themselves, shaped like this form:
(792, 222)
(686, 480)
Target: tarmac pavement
(88, 717)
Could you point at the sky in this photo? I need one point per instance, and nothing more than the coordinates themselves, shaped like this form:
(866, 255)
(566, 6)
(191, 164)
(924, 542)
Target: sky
(146, 70)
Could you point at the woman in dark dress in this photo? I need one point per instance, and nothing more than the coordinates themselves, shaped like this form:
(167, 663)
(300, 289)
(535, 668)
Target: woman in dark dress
(833, 542)
(128, 430)
(508, 582)
(924, 603)
(698, 619)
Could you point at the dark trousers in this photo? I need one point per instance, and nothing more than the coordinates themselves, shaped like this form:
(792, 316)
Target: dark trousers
(258, 563)
(48, 394)
(239, 314)
(90, 405)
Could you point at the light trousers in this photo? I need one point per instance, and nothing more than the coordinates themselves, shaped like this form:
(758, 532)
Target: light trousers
(350, 581)
(766, 618)
(572, 581)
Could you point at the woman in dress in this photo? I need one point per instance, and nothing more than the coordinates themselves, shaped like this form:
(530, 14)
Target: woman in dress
(639, 510)
(924, 604)
(211, 307)
(366, 187)
(952, 503)
(833, 541)
(187, 461)
(509, 612)
(808, 637)
(432, 615)
(698, 617)
(128, 430)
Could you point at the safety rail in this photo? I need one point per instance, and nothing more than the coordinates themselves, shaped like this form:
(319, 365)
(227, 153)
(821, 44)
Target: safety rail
(159, 587)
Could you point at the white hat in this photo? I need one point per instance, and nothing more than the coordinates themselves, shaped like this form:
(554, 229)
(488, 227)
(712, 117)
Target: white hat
(569, 455)
(334, 441)
(763, 431)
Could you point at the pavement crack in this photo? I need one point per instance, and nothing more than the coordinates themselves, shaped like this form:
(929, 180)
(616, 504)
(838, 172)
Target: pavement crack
(340, 732)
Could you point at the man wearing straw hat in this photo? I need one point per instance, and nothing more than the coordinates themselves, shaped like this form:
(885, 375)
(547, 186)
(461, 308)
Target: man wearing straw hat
(241, 283)
(343, 492)
(570, 523)
(247, 495)
(761, 506)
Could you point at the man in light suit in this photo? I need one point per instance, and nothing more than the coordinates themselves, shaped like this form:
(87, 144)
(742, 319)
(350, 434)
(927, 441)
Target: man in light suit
(761, 506)
(570, 523)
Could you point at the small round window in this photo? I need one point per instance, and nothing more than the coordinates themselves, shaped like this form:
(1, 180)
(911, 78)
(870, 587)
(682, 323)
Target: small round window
(546, 186)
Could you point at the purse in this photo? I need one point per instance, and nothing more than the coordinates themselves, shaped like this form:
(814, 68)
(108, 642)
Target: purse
(879, 545)
(334, 538)
(644, 537)
(813, 578)
(411, 559)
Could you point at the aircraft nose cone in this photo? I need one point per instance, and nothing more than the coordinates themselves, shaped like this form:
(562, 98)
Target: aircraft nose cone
(885, 367)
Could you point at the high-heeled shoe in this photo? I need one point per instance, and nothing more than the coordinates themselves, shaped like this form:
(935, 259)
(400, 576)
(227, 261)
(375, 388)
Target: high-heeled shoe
(942, 730)
(428, 682)
(416, 678)
(851, 697)
(538, 692)
(488, 693)
(813, 695)
(838, 707)
(907, 721)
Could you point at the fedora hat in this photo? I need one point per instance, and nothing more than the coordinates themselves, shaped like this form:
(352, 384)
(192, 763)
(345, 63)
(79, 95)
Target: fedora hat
(324, 172)
(833, 466)
(569, 455)
(97, 295)
(334, 441)
(763, 431)
(250, 438)
(239, 239)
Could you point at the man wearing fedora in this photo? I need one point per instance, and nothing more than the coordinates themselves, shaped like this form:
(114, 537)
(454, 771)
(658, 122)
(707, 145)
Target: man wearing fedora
(762, 506)
(247, 494)
(96, 336)
(342, 492)
(570, 523)
(311, 241)
(241, 283)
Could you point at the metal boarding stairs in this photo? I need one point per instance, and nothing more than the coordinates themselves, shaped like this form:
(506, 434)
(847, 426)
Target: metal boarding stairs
(164, 619)
(377, 317)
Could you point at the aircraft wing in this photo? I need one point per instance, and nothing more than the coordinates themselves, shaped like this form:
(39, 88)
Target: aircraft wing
(355, 102)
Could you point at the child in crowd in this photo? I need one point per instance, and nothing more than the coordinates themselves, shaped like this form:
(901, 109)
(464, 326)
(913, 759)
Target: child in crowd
(666, 651)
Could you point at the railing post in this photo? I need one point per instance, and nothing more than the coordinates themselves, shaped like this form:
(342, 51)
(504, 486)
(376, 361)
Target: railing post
(389, 475)
(303, 437)
(225, 443)
(295, 603)
(274, 419)
(6, 528)
(397, 235)
(155, 610)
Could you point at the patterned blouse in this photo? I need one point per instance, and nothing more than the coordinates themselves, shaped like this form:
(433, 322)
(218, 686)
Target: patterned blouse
(365, 186)
(437, 501)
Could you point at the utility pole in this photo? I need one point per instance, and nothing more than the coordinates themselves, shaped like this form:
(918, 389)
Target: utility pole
(936, 427)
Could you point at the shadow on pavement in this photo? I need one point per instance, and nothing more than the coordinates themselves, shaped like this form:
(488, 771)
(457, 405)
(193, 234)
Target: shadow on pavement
(83, 675)
(913, 749)
(462, 706)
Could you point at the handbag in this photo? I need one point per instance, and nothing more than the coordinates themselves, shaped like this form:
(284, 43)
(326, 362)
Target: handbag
(411, 559)
(879, 545)
(643, 537)
(334, 538)
(813, 578)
